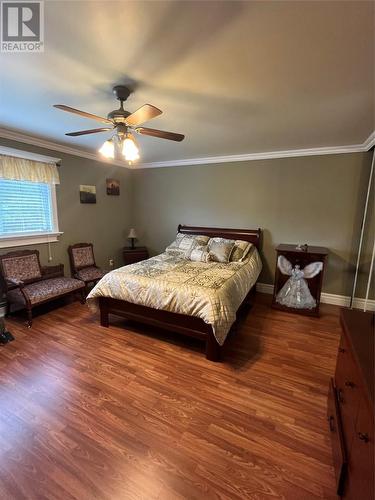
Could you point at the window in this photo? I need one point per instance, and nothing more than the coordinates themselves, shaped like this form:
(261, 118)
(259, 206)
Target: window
(27, 212)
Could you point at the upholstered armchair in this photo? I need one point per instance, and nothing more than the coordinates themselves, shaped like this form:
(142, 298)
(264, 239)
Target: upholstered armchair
(28, 284)
(82, 263)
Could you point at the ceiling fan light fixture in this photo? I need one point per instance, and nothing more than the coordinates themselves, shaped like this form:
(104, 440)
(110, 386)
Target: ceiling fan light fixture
(121, 124)
(108, 149)
(130, 149)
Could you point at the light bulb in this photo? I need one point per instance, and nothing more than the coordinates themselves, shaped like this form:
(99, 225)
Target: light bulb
(108, 149)
(130, 149)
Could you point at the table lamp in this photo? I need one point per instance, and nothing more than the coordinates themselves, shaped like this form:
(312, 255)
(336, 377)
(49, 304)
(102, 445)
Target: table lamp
(132, 236)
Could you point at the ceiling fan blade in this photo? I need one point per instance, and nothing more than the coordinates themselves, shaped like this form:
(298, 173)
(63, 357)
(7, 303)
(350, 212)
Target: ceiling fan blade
(161, 134)
(91, 131)
(82, 113)
(143, 114)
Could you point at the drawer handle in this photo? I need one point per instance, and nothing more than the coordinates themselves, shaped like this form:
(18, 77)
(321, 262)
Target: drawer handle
(363, 437)
(350, 384)
(330, 422)
(341, 349)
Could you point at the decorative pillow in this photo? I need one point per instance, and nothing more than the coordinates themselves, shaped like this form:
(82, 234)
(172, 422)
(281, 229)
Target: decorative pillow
(220, 249)
(184, 244)
(200, 254)
(240, 250)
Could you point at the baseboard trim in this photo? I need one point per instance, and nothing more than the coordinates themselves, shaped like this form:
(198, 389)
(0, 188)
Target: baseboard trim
(265, 288)
(327, 298)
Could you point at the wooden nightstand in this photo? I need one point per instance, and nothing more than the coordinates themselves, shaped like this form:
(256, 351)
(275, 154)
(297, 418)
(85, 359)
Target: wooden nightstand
(132, 255)
(300, 258)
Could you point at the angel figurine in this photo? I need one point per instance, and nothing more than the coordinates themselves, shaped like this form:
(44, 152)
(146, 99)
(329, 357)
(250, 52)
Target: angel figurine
(296, 293)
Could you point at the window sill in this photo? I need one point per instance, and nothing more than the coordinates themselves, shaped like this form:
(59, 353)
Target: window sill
(28, 239)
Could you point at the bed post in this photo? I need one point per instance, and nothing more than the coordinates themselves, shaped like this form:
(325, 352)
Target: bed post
(104, 316)
(250, 296)
(212, 348)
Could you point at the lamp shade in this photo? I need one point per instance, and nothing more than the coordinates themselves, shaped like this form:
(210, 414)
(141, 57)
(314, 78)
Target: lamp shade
(130, 149)
(108, 149)
(132, 233)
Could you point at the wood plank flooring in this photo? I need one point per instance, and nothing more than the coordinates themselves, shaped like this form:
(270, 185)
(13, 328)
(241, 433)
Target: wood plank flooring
(130, 413)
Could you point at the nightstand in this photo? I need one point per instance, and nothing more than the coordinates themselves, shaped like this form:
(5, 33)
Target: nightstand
(303, 286)
(132, 255)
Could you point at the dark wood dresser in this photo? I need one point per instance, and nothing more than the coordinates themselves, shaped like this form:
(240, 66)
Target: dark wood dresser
(351, 407)
(132, 255)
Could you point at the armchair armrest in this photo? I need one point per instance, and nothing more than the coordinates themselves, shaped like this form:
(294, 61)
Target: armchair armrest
(52, 271)
(13, 282)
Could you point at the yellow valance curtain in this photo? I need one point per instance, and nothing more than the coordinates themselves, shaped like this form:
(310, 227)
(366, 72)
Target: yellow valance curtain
(21, 169)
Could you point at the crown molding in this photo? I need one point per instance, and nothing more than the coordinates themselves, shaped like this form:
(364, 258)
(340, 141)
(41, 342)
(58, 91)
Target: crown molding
(370, 141)
(292, 153)
(27, 155)
(55, 146)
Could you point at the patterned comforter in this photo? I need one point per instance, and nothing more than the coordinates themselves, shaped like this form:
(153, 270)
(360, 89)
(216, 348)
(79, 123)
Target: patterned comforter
(211, 291)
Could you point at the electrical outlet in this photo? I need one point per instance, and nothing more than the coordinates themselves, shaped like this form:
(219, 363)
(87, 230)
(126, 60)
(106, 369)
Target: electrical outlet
(111, 263)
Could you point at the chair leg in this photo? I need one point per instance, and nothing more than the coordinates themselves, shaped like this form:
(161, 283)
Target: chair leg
(29, 317)
(83, 295)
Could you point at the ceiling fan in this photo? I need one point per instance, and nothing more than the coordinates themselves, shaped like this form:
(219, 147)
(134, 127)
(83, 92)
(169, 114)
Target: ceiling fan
(123, 123)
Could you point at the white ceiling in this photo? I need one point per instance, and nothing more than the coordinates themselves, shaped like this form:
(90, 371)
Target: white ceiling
(234, 77)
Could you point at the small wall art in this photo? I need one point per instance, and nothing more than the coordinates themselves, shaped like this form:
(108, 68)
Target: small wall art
(87, 194)
(113, 187)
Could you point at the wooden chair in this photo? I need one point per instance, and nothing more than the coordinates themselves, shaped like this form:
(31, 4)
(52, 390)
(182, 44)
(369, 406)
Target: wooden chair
(28, 284)
(82, 264)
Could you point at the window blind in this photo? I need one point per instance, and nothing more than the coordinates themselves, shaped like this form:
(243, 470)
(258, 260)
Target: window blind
(25, 207)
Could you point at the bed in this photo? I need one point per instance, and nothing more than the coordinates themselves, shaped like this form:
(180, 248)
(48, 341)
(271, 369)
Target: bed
(197, 299)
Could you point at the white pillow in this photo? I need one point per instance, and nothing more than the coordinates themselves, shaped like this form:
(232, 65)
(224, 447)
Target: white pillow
(240, 251)
(200, 254)
(184, 244)
(220, 249)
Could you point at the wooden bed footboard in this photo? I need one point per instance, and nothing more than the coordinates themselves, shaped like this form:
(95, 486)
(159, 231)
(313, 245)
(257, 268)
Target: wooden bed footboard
(189, 326)
(180, 323)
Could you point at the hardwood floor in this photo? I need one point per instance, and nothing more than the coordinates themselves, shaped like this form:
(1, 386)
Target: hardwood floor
(120, 413)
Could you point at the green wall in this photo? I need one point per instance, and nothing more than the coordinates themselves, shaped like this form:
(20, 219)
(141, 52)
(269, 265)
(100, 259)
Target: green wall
(105, 223)
(316, 200)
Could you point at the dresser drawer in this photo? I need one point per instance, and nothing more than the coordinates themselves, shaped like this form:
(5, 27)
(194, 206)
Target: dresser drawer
(360, 484)
(348, 388)
(337, 439)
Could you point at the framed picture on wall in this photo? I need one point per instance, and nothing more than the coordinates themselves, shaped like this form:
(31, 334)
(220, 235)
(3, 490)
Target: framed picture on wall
(113, 187)
(87, 194)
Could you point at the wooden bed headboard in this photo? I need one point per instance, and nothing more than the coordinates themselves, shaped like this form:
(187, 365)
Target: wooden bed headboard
(251, 235)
